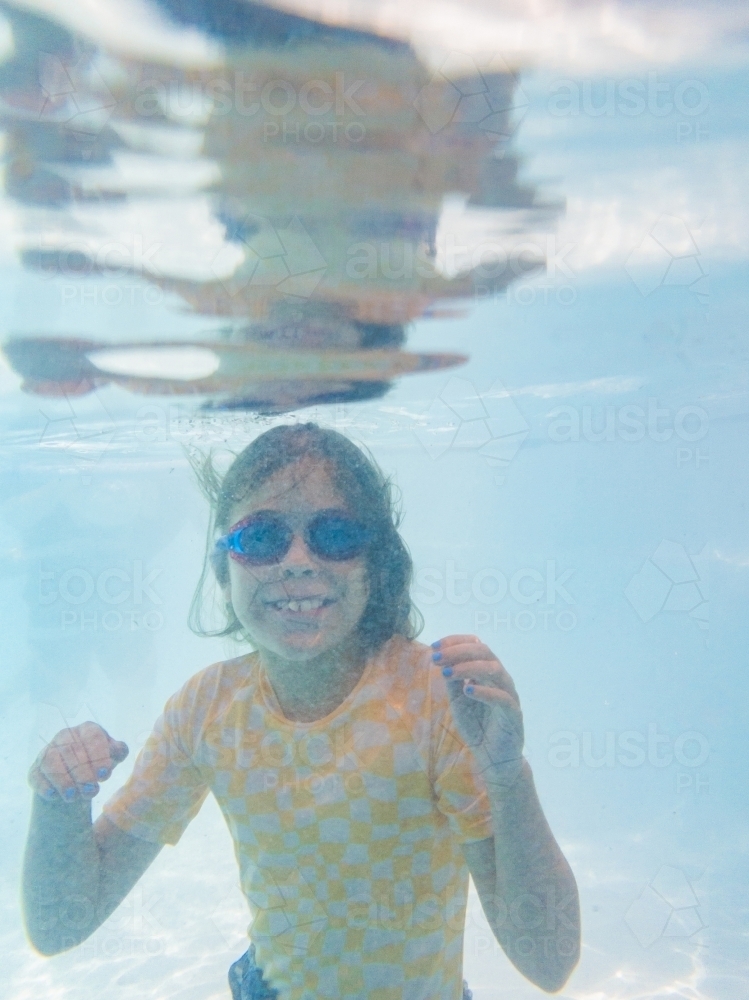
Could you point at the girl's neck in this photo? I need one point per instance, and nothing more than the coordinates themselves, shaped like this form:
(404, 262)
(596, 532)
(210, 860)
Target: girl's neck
(308, 690)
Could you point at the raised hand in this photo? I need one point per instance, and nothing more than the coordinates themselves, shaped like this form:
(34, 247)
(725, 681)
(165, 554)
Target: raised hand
(72, 765)
(485, 705)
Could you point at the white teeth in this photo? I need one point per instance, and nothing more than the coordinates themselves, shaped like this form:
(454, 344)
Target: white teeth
(310, 604)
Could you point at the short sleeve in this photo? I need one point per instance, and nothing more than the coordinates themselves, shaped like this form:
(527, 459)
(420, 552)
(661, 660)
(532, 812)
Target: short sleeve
(459, 789)
(166, 789)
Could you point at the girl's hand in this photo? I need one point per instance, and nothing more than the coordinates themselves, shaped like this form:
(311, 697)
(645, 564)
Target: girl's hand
(485, 706)
(72, 765)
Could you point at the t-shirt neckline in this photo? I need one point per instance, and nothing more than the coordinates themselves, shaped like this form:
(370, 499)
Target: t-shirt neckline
(273, 706)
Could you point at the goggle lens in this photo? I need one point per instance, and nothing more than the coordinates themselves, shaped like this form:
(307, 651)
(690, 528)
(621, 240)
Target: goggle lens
(335, 536)
(265, 538)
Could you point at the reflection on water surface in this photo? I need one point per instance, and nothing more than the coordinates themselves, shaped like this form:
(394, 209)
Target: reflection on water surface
(311, 163)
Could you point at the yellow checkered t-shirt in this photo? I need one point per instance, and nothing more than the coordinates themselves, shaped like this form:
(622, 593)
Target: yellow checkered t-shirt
(347, 829)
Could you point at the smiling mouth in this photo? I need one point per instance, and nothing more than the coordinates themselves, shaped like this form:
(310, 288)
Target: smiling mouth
(300, 606)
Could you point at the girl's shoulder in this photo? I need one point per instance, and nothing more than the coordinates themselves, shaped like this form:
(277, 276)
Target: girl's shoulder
(413, 685)
(212, 688)
(408, 664)
(401, 651)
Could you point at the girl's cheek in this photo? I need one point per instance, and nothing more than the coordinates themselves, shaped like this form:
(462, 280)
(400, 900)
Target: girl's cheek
(242, 589)
(362, 583)
(358, 592)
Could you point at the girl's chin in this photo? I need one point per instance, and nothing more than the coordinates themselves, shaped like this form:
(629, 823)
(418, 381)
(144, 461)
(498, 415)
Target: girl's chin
(298, 646)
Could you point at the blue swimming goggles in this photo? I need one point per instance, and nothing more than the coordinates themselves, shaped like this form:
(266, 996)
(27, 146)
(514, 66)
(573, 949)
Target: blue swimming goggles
(265, 537)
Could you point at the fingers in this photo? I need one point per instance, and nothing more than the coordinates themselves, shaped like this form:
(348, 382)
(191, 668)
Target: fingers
(454, 640)
(118, 750)
(455, 688)
(484, 672)
(474, 660)
(41, 786)
(491, 696)
(465, 650)
(74, 763)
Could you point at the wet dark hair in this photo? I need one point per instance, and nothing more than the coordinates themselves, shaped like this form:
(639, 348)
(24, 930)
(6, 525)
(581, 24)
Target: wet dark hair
(368, 493)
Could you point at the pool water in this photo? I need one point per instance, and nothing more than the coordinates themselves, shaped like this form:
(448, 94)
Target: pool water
(505, 250)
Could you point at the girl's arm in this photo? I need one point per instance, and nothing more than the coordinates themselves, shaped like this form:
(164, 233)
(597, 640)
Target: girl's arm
(76, 873)
(526, 887)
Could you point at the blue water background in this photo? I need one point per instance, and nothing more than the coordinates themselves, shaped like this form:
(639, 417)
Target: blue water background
(599, 509)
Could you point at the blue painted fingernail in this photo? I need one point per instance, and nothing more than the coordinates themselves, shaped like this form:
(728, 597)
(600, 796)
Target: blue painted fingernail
(69, 794)
(50, 793)
(447, 672)
(88, 788)
(469, 689)
(102, 772)
(436, 657)
(436, 645)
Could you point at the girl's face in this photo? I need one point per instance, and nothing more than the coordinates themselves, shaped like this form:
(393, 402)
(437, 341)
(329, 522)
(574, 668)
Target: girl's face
(266, 599)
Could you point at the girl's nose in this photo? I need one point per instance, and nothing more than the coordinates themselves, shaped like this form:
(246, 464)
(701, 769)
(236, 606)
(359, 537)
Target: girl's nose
(299, 556)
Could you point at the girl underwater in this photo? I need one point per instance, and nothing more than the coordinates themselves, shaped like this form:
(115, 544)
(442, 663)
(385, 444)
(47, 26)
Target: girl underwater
(362, 774)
